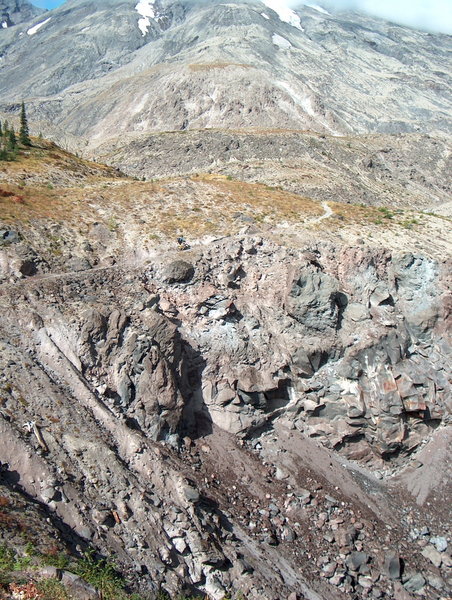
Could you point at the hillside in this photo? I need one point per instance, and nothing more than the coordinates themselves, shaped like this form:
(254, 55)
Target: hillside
(225, 304)
(216, 65)
(110, 332)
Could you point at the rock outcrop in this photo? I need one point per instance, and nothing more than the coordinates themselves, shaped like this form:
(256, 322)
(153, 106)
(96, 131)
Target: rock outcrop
(216, 419)
(13, 12)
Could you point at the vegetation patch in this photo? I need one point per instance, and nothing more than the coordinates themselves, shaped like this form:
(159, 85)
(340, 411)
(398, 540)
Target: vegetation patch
(218, 65)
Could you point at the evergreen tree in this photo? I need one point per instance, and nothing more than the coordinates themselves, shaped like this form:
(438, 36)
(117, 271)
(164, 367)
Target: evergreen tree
(8, 142)
(24, 134)
(12, 140)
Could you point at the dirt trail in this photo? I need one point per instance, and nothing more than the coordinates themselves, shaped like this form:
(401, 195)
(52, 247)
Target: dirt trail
(326, 215)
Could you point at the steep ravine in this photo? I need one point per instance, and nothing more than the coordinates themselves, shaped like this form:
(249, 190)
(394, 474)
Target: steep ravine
(239, 417)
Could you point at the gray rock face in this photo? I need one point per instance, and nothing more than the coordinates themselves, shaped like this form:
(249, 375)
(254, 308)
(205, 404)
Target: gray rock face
(214, 417)
(13, 12)
(297, 352)
(314, 300)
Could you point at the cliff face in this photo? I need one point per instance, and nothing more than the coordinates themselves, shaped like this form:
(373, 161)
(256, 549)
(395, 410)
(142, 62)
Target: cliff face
(340, 341)
(13, 12)
(223, 391)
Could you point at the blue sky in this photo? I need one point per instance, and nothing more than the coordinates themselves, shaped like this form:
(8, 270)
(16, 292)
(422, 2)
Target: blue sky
(47, 3)
(434, 15)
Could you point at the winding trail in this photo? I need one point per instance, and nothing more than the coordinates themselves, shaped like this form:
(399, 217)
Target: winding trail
(326, 215)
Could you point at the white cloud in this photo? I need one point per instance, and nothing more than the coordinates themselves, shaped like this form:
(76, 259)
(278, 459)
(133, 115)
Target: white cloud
(433, 15)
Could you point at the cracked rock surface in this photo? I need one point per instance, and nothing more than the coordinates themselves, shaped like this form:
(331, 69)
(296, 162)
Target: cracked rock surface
(292, 445)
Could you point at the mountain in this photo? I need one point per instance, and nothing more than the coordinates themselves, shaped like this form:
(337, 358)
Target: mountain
(103, 70)
(13, 12)
(225, 352)
(260, 413)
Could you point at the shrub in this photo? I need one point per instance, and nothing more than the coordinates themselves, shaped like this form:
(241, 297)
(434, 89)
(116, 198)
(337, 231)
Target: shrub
(52, 589)
(101, 574)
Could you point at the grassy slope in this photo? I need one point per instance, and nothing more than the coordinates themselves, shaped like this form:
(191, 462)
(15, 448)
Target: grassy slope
(47, 184)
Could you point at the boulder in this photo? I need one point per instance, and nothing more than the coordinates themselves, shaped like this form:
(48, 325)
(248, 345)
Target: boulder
(8, 236)
(355, 560)
(415, 583)
(78, 587)
(178, 271)
(392, 565)
(314, 300)
(432, 554)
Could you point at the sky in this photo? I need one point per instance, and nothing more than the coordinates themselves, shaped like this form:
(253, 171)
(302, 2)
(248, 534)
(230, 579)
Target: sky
(47, 3)
(433, 15)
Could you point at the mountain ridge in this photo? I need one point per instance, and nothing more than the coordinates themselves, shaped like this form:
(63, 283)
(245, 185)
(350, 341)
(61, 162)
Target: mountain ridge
(14, 12)
(341, 74)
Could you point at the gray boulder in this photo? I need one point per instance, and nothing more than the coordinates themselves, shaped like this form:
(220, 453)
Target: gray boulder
(178, 271)
(314, 300)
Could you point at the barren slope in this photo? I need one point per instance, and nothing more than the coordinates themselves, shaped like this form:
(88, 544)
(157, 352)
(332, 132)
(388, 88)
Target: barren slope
(294, 444)
(90, 71)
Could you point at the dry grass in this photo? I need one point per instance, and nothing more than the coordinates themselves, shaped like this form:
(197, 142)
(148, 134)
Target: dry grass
(193, 206)
(219, 65)
(45, 157)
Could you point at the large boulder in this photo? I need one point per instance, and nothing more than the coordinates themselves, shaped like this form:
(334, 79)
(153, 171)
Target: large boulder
(315, 300)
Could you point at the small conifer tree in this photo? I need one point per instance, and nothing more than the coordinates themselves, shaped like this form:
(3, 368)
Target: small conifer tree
(12, 140)
(8, 142)
(24, 134)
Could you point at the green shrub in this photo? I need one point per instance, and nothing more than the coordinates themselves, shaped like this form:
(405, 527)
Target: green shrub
(52, 589)
(58, 560)
(7, 558)
(102, 575)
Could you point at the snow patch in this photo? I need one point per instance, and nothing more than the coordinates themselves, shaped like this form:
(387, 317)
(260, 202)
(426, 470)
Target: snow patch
(265, 16)
(287, 15)
(318, 8)
(145, 8)
(4, 24)
(278, 40)
(37, 27)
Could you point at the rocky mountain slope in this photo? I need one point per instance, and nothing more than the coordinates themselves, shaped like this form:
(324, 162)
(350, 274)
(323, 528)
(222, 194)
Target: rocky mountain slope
(294, 445)
(13, 12)
(224, 357)
(105, 69)
(403, 170)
